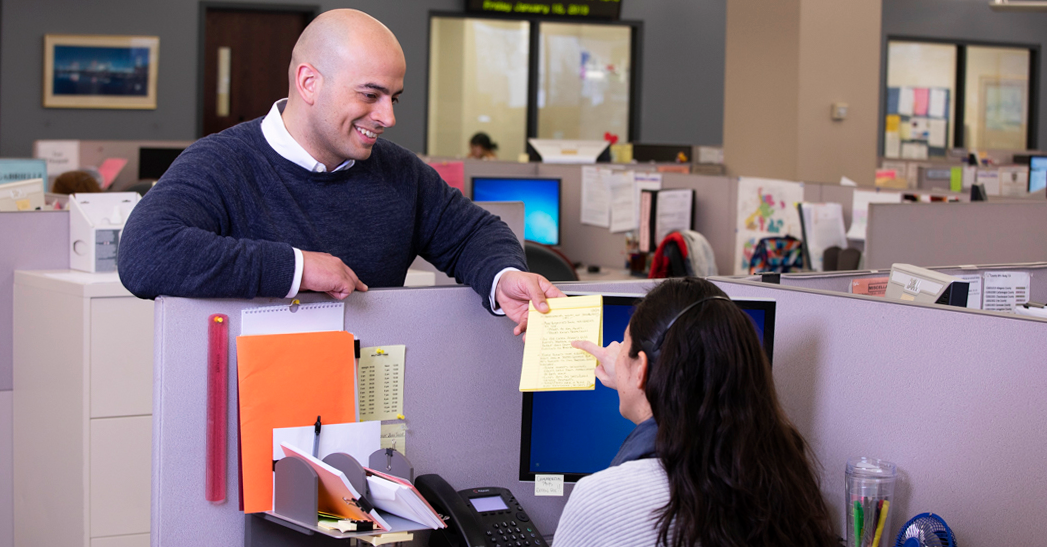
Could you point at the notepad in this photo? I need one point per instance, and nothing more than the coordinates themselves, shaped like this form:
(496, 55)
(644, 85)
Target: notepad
(549, 361)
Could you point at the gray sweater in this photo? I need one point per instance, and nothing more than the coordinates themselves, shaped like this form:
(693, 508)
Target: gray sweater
(615, 507)
(222, 222)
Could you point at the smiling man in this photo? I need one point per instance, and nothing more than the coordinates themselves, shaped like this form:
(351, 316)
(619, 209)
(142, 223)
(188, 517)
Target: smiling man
(310, 197)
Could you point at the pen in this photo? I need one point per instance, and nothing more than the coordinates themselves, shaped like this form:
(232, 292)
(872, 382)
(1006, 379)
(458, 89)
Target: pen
(316, 438)
(857, 523)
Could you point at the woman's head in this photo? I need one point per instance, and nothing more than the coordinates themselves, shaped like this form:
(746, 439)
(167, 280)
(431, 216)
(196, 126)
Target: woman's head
(75, 182)
(481, 146)
(738, 471)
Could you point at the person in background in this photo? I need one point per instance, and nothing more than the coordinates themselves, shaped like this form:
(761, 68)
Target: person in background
(75, 182)
(481, 147)
(714, 461)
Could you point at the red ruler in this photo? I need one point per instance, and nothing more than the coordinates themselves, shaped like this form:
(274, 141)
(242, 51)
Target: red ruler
(217, 405)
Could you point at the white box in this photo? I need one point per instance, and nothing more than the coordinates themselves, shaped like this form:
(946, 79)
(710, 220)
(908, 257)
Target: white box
(95, 224)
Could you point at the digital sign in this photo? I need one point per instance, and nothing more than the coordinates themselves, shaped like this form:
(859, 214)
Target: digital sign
(586, 9)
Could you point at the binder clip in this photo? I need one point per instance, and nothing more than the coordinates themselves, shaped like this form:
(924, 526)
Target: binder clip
(391, 462)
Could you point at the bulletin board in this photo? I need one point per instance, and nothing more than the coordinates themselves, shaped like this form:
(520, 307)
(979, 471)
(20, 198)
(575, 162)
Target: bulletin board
(917, 122)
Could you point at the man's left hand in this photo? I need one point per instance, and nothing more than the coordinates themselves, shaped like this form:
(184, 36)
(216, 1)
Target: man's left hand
(516, 289)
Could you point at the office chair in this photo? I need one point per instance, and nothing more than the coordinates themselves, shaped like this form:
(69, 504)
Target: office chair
(548, 262)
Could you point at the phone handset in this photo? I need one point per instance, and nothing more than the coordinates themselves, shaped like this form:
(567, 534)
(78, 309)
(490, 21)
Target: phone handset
(463, 527)
(477, 517)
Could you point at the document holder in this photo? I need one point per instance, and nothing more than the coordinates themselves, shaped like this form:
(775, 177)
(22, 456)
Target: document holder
(293, 520)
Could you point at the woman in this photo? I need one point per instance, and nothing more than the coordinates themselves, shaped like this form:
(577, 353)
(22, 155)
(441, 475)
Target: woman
(481, 147)
(726, 468)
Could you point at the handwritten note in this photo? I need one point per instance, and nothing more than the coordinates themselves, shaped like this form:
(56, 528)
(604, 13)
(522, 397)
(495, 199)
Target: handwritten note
(548, 485)
(549, 361)
(381, 383)
(395, 436)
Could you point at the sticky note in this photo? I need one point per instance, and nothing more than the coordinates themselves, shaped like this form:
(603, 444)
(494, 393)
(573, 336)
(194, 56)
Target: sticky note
(548, 485)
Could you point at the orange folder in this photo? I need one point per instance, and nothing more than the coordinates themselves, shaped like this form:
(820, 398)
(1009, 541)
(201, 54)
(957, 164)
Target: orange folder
(287, 380)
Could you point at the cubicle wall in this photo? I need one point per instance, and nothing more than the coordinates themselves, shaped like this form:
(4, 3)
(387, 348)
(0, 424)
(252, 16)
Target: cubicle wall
(31, 240)
(935, 234)
(954, 397)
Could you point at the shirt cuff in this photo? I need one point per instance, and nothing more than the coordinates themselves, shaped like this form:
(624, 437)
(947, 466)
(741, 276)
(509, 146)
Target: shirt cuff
(495, 308)
(296, 281)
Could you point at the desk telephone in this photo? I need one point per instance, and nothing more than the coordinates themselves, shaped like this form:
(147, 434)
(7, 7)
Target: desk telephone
(478, 517)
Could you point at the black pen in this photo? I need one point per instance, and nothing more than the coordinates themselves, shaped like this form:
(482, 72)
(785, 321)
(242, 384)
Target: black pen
(316, 438)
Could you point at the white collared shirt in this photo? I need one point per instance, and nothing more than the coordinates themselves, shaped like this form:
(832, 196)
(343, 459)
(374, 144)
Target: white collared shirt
(276, 134)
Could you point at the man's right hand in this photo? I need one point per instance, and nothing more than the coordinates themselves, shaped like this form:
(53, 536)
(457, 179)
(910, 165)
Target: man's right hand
(322, 272)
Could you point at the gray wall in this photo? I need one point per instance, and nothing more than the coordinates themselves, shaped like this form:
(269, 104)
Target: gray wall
(971, 20)
(683, 59)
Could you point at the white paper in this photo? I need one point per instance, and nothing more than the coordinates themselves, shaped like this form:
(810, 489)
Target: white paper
(991, 179)
(358, 439)
(920, 129)
(624, 204)
(936, 137)
(860, 210)
(970, 176)
(936, 108)
(595, 197)
(974, 295)
(1005, 290)
(548, 485)
(823, 227)
(844, 181)
(400, 500)
(645, 181)
(905, 101)
(1014, 181)
(61, 156)
(892, 145)
(316, 317)
(914, 151)
(766, 208)
(709, 154)
(674, 212)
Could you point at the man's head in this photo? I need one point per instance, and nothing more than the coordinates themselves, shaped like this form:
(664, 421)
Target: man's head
(347, 72)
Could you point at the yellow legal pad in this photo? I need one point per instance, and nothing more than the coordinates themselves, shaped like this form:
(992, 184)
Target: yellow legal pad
(549, 361)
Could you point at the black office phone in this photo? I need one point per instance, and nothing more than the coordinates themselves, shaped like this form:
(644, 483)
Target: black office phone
(478, 517)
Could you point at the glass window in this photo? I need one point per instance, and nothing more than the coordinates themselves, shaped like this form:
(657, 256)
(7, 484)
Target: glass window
(584, 81)
(996, 96)
(921, 96)
(477, 83)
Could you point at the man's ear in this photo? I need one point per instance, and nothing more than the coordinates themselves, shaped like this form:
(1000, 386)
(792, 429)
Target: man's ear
(307, 82)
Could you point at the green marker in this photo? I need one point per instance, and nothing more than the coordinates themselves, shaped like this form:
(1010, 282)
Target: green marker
(858, 519)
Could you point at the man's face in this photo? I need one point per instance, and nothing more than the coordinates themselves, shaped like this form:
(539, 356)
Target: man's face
(355, 104)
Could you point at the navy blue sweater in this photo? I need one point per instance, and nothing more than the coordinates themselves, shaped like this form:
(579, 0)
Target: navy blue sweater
(222, 221)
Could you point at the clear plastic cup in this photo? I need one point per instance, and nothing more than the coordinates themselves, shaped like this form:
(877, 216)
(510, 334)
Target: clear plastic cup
(868, 495)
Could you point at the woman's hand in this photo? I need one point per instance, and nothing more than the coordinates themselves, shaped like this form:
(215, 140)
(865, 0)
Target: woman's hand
(606, 356)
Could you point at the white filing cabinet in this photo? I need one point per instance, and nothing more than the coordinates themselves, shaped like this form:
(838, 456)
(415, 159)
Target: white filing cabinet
(83, 391)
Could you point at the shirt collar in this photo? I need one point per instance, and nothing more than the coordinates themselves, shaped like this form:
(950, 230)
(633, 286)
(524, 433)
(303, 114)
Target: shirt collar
(283, 143)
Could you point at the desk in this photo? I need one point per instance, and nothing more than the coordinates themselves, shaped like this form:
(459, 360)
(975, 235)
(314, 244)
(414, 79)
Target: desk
(83, 379)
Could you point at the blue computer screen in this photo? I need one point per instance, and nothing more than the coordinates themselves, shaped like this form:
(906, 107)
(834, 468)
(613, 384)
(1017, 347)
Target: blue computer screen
(576, 433)
(541, 198)
(1037, 173)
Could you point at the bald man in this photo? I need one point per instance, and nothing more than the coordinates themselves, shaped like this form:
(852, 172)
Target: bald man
(310, 198)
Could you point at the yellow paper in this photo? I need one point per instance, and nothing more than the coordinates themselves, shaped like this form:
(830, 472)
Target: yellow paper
(549, 361)
(381, 383)
(893, 121)
(23, 204)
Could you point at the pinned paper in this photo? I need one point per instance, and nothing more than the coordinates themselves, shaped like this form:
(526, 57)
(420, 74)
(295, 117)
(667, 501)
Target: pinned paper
(550, 363)
(936, 133)
(936, 108)
(381, 381)
(453, 173)
(893, 121)
(974, 294)
(1005, 290)
(548, 485)
(905, 101)
(110, 169)
(920, 101)
(870, 286)
(395, 436)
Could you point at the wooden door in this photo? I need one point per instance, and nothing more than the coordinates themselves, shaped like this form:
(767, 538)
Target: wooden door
(256, 44)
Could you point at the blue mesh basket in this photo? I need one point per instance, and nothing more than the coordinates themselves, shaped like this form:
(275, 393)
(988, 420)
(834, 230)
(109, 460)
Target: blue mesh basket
(916, 532)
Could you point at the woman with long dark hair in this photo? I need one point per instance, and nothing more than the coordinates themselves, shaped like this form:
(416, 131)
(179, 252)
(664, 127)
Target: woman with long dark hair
(714, 461)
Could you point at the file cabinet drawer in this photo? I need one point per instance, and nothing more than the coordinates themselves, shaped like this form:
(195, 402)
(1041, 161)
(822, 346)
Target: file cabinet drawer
(137, 540)
(121, 357)
(121, 450)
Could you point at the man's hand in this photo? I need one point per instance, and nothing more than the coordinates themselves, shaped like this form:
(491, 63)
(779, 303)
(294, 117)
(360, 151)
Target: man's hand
(606, 356)
(322, 272)
(516, 289)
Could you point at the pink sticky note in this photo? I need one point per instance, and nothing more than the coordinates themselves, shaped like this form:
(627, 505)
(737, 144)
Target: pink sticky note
(109, 169)
(453, 173)
(920, 100)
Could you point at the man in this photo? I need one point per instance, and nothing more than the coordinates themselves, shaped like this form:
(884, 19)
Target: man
(309, 198)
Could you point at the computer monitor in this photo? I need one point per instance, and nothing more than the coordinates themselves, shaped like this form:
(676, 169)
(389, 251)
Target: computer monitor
(541, 199)
(577, 433)
(153, 162)
(1037, 173)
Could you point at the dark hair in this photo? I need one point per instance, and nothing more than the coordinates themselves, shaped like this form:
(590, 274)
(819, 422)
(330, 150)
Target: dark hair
(483, 141)
(75, 182)
(739, 473)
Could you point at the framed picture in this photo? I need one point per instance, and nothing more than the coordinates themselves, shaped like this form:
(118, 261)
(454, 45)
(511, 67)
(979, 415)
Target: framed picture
(90, 71)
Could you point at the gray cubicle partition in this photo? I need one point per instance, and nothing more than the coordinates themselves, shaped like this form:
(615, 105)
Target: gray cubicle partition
(954, 397)
(938, 234)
